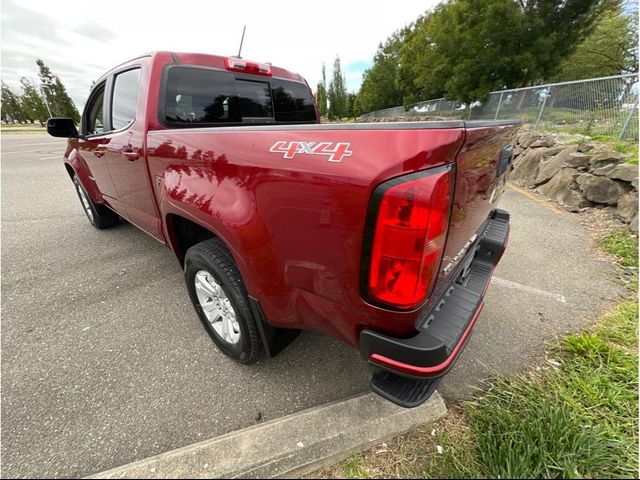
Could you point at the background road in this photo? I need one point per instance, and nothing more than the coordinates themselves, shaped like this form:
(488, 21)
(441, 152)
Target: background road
(104, 361)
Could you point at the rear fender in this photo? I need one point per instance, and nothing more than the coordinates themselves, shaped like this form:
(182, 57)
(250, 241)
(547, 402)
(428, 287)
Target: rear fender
(189, 208)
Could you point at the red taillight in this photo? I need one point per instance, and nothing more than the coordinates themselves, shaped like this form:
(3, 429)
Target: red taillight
(408, 240)
(240, 65)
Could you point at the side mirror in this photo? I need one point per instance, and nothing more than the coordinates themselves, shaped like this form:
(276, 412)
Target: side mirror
(62, 127)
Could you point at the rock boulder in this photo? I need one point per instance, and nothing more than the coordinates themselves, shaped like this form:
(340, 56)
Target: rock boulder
(527, 137)
(628, 206)
(577, 159)
(599, 189)
(625, 172)
(550, 167)
(605, 158)
(563, 189)
(527, 167)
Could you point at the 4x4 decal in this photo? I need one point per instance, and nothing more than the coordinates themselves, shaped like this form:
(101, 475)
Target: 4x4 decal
(335, 151)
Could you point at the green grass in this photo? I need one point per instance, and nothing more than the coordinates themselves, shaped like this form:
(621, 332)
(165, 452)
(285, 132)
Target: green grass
(577, 421)
(629, 148)
(574, 418)
(21, 126)
(622, 245)
(22, 129)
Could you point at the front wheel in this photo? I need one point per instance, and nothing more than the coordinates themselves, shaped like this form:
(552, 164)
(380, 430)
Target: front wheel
(99, 215)
(221, 301)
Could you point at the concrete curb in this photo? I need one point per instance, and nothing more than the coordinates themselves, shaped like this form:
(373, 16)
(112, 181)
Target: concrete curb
(290, 446)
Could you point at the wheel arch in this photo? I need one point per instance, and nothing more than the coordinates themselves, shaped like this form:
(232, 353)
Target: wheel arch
(76, 167)
(183, 233)
(70, 170)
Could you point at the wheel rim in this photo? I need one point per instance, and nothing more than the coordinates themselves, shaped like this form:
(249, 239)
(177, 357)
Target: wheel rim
(85, 202)
(216, 307)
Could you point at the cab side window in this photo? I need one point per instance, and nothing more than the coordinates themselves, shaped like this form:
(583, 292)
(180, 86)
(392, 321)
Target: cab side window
(125, 98)
(94, 121)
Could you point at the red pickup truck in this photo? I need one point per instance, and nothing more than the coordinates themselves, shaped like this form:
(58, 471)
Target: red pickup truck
(383, 235)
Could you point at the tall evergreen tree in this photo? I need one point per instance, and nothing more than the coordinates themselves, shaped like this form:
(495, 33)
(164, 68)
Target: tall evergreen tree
(65, 103)
(32, 103)
(337, 94)
(321, 100)
(331, 94)
(380, 88)
(350, 106)
(321, 94)
(55, 94)
(47, 86)
(11, 106)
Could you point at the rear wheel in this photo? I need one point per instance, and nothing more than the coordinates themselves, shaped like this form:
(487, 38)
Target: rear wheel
(221, 301)
(99, 215)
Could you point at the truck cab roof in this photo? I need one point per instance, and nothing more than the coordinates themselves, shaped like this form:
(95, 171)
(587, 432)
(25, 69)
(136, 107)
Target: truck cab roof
(208, 60)
(218, 61)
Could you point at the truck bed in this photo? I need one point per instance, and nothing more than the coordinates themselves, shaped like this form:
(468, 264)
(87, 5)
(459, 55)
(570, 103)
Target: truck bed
(295, 225)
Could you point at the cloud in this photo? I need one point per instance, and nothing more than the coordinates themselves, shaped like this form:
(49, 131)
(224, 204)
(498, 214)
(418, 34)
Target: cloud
(26, 27)
(95, 31)
(292, 34)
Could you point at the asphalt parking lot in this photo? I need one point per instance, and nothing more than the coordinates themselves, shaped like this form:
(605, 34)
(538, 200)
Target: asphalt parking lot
(104, 361)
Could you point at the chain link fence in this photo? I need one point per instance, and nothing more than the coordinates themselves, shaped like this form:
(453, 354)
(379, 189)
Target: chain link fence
(599, 106)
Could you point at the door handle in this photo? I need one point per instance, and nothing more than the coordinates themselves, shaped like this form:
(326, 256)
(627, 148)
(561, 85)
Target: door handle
(132, 156)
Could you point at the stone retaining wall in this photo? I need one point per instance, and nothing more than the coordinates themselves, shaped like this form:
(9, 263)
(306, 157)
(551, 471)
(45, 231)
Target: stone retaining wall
(577, 174)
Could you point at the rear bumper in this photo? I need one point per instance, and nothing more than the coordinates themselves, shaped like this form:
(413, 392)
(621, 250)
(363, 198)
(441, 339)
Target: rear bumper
(446, 328)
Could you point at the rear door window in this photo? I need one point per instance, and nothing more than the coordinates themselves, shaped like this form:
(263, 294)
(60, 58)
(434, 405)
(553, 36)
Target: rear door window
(201, 96)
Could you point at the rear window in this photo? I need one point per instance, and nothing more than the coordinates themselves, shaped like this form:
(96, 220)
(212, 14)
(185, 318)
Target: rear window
(203, 97)
(292, 102)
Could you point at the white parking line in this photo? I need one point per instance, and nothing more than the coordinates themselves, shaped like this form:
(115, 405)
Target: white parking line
(43, 150)
(508, 284)
(51, 158)
(32, 144)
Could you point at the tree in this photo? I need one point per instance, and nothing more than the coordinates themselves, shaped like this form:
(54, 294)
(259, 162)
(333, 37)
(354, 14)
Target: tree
(321, 94)
(32, 104)
(611, 49)
(47, 85)
(321, 100)
(11, 105)
(350, 106)
(65, 104)
(55, 94)
(416, 52)
(337, 93)
(466, 48)
(380, 87)
(357, 107)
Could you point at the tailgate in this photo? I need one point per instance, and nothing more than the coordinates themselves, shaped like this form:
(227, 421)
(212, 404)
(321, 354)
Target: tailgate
(478, 187)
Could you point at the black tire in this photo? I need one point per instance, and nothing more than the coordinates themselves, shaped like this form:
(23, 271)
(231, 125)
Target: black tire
(101, 216)
(213, 257)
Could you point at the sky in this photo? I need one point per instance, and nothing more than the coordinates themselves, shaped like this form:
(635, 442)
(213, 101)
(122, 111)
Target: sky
(79, 42)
